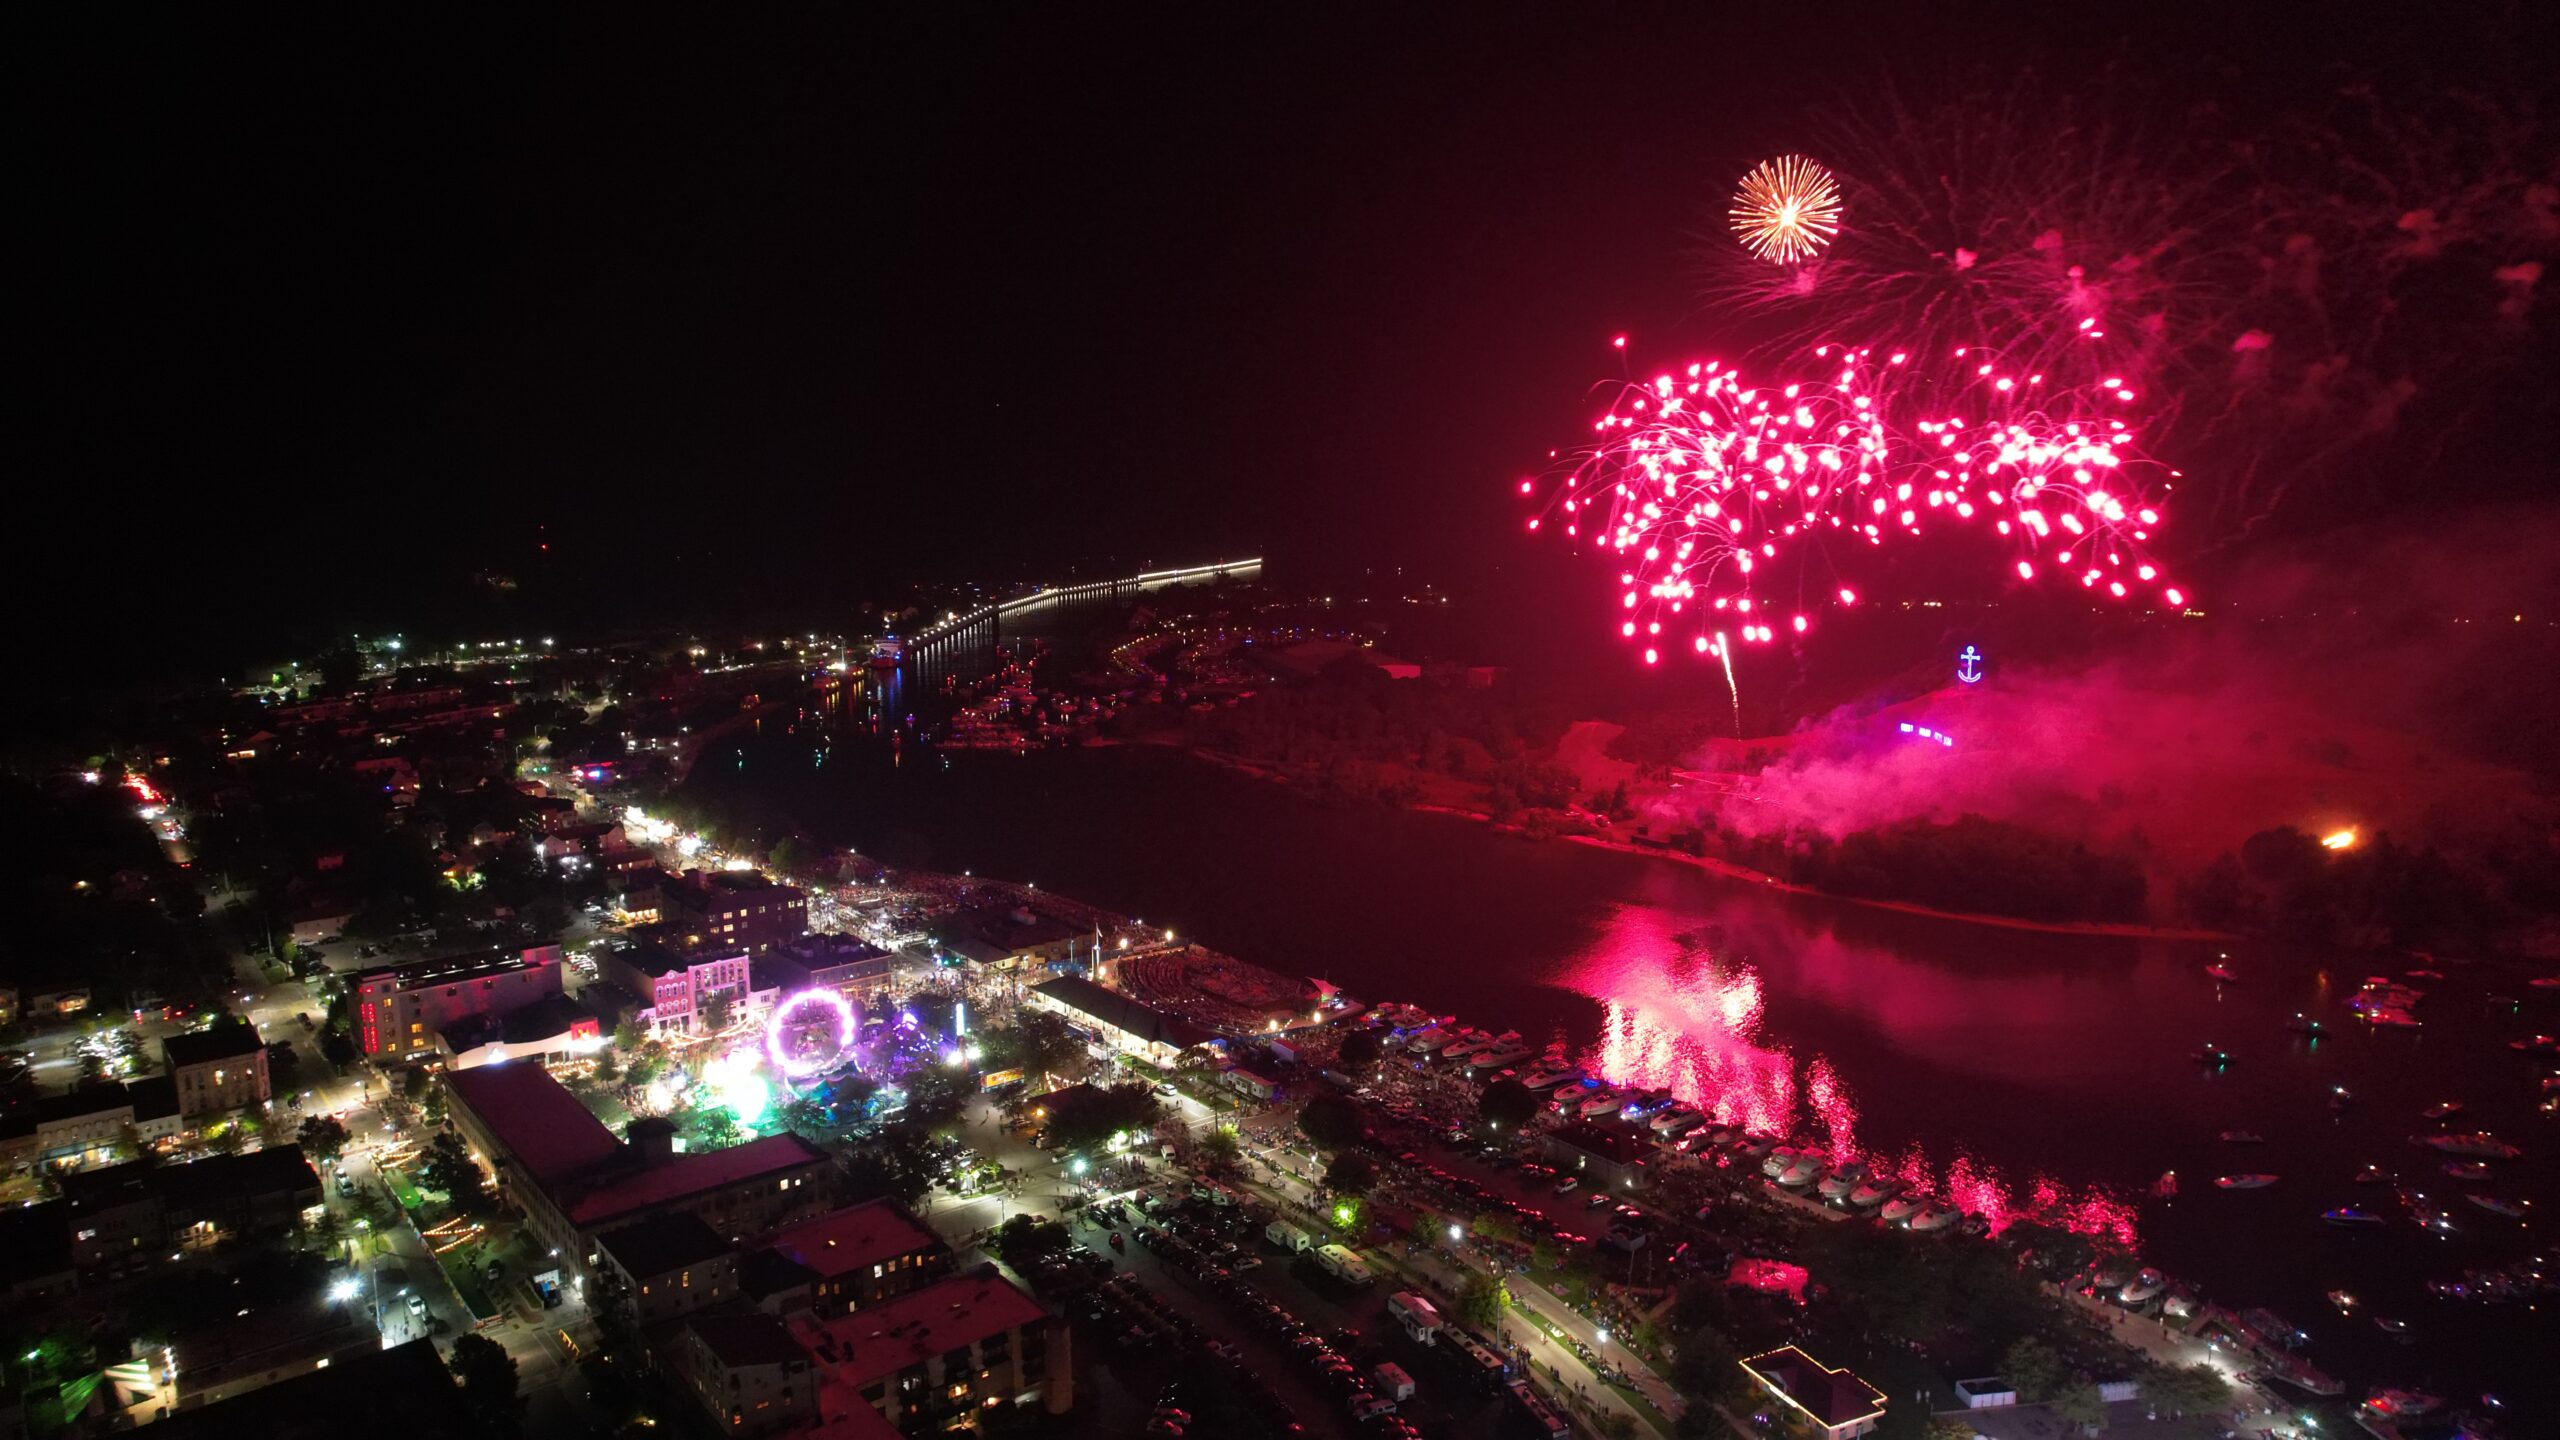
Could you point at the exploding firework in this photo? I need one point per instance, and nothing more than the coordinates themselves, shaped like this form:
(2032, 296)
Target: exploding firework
(1787, 209)
(1705, 487)
(1735, 510)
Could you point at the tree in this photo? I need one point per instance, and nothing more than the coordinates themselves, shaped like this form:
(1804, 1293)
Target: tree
(1084, 1119)
(1351, 1173)
(413, 1084)
(283, 1064)
(718, 1008)
(2033, 1370)
(709, 1127)
(1483, 1303)
(1220, 1150)
(1332, 1121)
(803, 1116)
(488, 1377)
(2079, 1403)
(1360, 1050)
(1508, 1103)
(608, 1069)
(894, 1164)
(448, 1166)
(2187, 1389)
(627, 1034)
(1037, 1043)
(323, 1137)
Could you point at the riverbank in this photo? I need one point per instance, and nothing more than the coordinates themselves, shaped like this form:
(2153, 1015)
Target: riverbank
(1728, 870)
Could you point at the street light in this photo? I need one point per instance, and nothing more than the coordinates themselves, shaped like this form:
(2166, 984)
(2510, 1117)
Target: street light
(1604, 1334)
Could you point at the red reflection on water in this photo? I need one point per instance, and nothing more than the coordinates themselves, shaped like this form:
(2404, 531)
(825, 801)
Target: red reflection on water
(1691, 1026)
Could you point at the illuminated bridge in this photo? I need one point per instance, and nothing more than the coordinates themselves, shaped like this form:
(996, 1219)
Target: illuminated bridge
(986, 616)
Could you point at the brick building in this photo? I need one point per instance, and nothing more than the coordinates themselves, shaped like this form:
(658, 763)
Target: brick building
(400, 1009)
(221, 1069)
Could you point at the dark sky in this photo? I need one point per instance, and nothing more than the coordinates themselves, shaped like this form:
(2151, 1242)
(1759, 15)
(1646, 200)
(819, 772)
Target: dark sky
(742, 313)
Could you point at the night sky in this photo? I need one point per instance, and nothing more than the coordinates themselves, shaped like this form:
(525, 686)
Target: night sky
(749, 316)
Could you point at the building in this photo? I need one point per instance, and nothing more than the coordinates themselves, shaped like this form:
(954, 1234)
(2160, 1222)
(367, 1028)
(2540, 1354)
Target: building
(952, 1348)
(553, 1030)
(862, 1255)
(1600, 1154)
(221, 1069)
(1834, 1403)
(667, 1266)
(574, 1180)
(727, 910)
(125, 1216)
(676, 987)
(407, 1386)
(856, 969)
(1122, 1023)
(1012, 939)
(400, 1009)
(747, 1372)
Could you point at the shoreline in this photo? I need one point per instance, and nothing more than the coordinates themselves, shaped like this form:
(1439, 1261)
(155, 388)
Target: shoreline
(1743, 874)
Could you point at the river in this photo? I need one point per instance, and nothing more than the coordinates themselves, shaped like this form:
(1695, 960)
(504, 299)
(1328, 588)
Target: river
(1996, 1062)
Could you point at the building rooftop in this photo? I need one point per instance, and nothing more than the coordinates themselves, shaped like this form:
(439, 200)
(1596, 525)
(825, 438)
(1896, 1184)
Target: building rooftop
(888, 1337)
(547, 1018)
(662, 1244)
(408, 1383)
(1831, 1397)
(685, 1176)
(749, 1338)
(739, 885)
(455, 969)
(854, 1237)
(154, 1097)
(1614, 1145)
(541, 1125)
(205, 1047)
(1122, 1012)
(768, 1272)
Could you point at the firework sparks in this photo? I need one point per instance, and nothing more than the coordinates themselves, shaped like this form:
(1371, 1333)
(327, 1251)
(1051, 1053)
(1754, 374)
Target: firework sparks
(1787, 209)
(1716, 496)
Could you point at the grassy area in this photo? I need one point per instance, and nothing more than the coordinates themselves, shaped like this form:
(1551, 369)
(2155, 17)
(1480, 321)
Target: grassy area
(463, 1271)
(404, 1190)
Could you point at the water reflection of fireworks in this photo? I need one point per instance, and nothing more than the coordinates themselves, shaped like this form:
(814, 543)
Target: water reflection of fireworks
(1690, 1025)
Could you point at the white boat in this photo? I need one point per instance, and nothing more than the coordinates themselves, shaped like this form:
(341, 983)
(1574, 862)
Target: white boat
(1496, 1059)
(1778, 1160)
(2477, 1144)
(1936, 1217)
(1576, 1092)
(1838, 1184)
(1427, 1039)
(1800, 1174)
(1676, 1120)
(1604, 1103)
(2144, 1286)
(1758, 1144)
(2512, 1209)
(1547, 1077)
(1902, 1207)
(2245, 1182)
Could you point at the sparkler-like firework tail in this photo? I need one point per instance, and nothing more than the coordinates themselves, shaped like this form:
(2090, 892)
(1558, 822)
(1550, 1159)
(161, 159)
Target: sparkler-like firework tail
(1712, 493)
(1787, 209)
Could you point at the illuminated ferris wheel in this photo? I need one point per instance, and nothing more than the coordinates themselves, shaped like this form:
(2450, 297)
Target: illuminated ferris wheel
(810, 1033)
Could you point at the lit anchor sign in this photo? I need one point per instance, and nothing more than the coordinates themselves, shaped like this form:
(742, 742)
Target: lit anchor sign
(1969, 666)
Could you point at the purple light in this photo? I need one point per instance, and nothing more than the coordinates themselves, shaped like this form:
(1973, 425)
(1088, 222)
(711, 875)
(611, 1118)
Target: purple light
(800, 1067)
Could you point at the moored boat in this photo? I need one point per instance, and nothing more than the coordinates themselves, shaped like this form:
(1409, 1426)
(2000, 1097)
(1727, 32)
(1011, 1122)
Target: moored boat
(2442, 1110)
(1548, 1077)
(1936, 1217)
(2477, 1143)
(2495, 1205)
(2353, 1215)
(2342, 1300)
(1871, 1193)
(2222, 973)
(1843, 1179)
(2244, 1182)
(2467, 1169)
(2373, 1175)
(2302, 1024)
(1902, 1207)
(2143, 1287)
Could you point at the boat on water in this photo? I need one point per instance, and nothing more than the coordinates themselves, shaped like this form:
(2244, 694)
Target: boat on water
(2392, 1017)
(2244, 1182)
(2467, 1169)
(2214, 1056)
(2143, 1287)
(1498, 1057)
(1870, 1194)
(887, 651)
(2477, 1143)
(2423, 974)
(2545, 982)
(1604, 1103)
(2442, 1110)
(1902, 1207)
(2342, 1300)
(1936, 1217)
(1548, 1077)
(2538, 1045)
(1778, 1160)
(2340, 1097)
(2353, 1215)
(1801, 1173)
(1757, 1145)
(1576, 1092)
(2373, 1175)
(2243, 1137)
(2403, 1404)
(2390, 1326)
(2302, 1024)
(1676, 1121)
(2495, 1205)
(2221, 972)
(2166, 1187)
(1843, 1179)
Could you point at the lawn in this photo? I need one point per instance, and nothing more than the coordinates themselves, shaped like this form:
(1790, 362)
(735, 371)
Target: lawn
(404, 1190)
(464, 1272)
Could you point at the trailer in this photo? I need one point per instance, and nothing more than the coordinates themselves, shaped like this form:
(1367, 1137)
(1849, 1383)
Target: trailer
(1338, 1262)
(1288, 1237)
(1416, 1314)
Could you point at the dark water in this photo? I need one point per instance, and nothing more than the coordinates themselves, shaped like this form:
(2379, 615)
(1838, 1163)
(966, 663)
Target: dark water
(1999, 1063)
